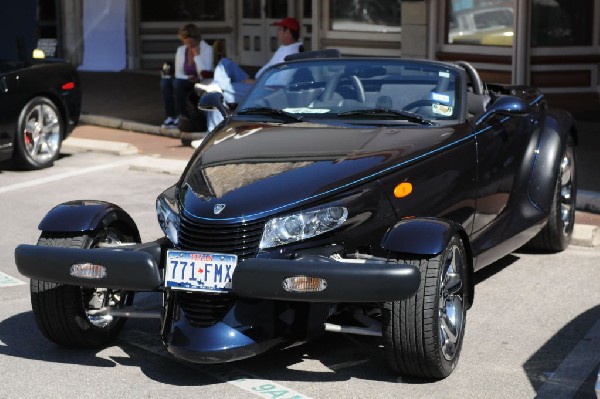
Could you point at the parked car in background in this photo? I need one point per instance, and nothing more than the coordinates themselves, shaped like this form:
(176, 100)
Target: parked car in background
(40, 99)
(350, 195)
(486, 26)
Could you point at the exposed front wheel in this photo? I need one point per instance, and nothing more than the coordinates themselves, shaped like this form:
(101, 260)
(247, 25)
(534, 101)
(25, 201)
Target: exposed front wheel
(423, 335)
(65, 313)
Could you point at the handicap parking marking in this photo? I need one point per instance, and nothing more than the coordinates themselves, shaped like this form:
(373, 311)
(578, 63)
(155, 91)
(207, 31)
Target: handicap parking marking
(9, 281)
(223, 372)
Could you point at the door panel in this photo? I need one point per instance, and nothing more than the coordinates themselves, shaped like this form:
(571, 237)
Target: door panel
(257, 38)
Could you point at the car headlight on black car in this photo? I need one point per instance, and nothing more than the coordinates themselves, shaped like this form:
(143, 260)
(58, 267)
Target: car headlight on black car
(302, 225)
(168, 220)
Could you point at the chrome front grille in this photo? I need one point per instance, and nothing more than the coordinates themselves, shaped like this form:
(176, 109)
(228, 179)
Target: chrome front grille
(241, 239)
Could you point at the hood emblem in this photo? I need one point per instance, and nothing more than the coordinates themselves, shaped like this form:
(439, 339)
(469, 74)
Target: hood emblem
(219, 208)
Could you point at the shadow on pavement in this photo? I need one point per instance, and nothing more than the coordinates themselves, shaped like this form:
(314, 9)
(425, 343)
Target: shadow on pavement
(544, 362)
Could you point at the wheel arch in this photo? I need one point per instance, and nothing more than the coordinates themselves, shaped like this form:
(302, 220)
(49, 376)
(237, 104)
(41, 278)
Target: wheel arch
(84, 216)
(428, 237)
(558, 127)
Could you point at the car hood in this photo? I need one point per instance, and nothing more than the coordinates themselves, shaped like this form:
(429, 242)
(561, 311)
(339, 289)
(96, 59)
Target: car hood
(251, 170)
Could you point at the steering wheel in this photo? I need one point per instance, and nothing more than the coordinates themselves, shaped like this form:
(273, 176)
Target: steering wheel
(336, 80)
(418, 103)
(473, 76)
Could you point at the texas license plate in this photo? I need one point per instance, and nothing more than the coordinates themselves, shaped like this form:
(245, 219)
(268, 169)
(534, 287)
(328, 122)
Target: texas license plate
(199, 271)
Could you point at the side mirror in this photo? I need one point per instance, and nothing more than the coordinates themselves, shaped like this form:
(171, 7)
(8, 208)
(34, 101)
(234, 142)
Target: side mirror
(213, 101)
(506, 105)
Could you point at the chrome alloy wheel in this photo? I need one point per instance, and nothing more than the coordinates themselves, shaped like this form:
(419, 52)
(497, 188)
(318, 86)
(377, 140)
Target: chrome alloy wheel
(567, 191)
(451, 307)
(41, 133)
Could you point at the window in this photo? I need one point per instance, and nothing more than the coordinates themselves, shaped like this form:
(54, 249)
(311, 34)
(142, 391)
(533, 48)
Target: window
(561, 23)
(481, 22)
(365, 15)
(182, 10)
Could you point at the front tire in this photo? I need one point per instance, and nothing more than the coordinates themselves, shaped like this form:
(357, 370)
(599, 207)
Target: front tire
(40, 131)
(423, 335)
(62, 312)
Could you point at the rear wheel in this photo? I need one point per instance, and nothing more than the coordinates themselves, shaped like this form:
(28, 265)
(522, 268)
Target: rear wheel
(64, 313)
(423, 335)
(556, 235)
(41, 129)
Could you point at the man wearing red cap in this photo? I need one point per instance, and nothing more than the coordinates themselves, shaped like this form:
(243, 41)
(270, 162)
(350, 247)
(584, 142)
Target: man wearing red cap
(234, 82)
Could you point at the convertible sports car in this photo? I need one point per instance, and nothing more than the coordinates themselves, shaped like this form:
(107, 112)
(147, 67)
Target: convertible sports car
(40, 99)
(349, 195)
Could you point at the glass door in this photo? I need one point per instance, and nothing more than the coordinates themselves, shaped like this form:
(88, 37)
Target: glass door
(257, 38)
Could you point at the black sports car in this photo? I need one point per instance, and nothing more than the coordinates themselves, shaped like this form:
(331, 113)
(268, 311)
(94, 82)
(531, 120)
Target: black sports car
(349, 195)
(40, 99)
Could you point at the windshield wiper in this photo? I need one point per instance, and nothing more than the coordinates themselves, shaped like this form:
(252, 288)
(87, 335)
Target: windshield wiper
(383, 112)
(271, 112)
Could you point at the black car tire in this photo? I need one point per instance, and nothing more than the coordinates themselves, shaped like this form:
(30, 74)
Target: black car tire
(416, 330)
(61, 311)
(40, 131)
(558, 231)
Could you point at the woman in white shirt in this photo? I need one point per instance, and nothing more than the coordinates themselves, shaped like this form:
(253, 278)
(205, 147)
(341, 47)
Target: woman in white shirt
(193, 61)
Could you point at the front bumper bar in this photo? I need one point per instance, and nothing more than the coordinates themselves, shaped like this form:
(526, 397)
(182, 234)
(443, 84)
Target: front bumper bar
(132, 268)
(372, 281)
(137, 268)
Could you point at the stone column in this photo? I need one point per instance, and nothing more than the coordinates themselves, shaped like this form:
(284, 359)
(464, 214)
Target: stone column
(71, 22)
(415, 28)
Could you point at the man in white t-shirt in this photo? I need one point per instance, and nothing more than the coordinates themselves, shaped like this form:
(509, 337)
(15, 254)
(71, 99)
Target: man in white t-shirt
(234, 82)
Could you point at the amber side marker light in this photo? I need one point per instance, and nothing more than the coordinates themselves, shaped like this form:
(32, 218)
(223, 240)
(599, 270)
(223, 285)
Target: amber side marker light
(304, 284)
(402, 190)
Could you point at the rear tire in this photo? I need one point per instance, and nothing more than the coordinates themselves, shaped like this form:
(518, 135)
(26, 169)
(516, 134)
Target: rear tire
(556, 235)
(61, 311)
(423, 335)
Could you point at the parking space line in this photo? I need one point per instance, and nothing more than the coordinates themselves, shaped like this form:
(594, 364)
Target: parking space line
(65, 175)
(223, 372)
(573, 371)
(9, 281)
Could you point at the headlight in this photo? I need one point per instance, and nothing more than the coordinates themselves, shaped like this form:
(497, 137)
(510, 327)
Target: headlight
(301, 226)
(168, 220)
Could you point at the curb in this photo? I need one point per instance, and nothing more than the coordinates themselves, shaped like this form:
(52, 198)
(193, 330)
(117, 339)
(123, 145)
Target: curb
(588, 201)
(159, 165)
(586, 235)
(73, 145)
(117, 123)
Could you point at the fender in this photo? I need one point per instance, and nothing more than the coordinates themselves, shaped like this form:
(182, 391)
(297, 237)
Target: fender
(427, 237)
(558, 125)
(420, 236)
(82, 216)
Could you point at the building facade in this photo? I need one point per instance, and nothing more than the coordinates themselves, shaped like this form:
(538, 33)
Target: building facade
(552, 44)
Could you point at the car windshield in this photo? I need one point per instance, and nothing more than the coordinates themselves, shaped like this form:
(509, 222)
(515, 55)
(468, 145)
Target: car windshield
(419, 92)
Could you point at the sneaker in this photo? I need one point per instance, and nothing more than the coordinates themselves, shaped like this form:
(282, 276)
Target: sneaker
(170, 123)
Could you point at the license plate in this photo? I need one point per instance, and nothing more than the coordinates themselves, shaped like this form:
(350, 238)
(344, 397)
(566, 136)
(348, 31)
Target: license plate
(199, 271)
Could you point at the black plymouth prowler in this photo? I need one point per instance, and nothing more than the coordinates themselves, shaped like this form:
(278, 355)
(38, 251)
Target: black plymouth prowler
(353, 195)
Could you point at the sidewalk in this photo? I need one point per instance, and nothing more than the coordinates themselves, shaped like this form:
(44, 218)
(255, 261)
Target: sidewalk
(131, 101)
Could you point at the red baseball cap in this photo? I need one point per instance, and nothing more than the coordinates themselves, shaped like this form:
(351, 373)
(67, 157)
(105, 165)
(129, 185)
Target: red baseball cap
(290, 23)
